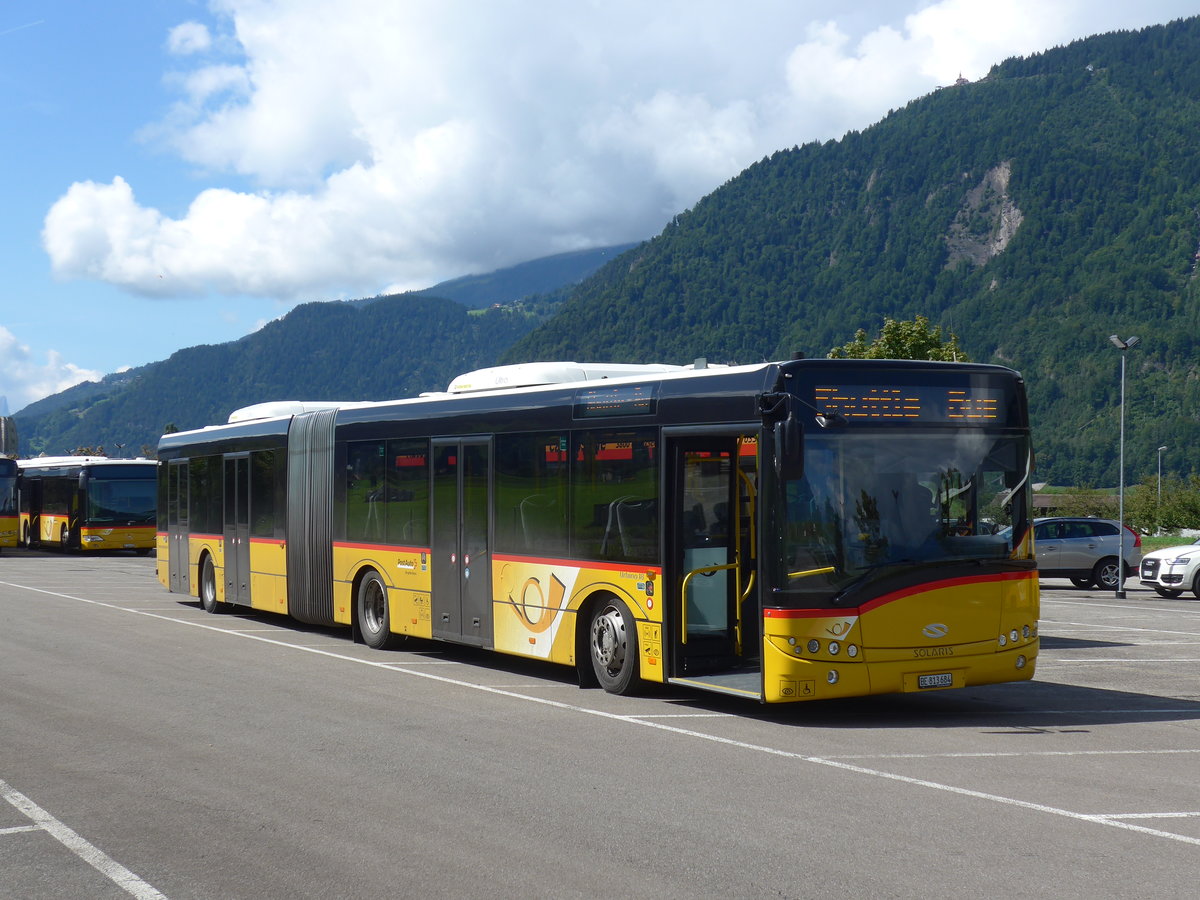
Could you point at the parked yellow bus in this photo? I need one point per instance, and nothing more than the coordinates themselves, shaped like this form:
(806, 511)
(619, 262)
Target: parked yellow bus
(88, 503)
(8, 503)
(781, 532)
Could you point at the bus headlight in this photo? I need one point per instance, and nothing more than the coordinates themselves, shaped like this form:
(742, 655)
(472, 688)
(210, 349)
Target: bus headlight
(832, 677)
(814, 645)
(852, 650)
(1003, 641)
(92, 539)
(834, 648)
(1021, 661)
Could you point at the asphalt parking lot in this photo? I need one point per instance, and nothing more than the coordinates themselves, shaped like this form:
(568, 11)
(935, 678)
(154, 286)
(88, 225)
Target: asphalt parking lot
(150, 749)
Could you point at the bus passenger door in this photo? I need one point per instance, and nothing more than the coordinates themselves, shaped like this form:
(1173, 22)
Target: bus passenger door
(177, 525)
(462, 597)
(237, 529)
(716, 633)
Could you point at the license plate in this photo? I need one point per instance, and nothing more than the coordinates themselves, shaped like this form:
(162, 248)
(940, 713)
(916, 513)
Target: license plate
(943, 679)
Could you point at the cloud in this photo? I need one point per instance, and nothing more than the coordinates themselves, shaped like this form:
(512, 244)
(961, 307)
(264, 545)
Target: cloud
(188, 38)
(367, 143)
(26, 380)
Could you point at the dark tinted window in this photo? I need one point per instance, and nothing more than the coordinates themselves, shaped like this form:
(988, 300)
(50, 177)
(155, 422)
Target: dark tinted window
(364, 491)
(614, 495)
(262, 493)
(406, 493)
(531, 493)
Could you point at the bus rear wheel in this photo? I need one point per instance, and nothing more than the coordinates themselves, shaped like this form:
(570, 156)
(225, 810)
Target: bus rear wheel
(374, 620)
(208, 586)
(612, 642)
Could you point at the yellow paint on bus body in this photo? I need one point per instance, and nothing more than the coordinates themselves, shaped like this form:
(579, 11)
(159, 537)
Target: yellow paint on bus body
(951, 633)
(405, 573)
(536, 604)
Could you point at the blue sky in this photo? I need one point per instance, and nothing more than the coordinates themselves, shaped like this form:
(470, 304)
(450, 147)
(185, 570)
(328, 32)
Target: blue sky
(178, 172)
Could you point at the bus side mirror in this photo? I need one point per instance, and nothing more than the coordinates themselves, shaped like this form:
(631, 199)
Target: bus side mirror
(789, 447)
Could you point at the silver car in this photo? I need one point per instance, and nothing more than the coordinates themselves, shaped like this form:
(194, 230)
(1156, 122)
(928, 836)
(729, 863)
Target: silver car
(1085, 550)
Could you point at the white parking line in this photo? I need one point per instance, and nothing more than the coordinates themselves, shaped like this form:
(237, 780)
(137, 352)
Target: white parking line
(89, 853)
(643, 722)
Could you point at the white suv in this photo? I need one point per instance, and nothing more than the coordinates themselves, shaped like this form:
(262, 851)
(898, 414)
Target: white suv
(1173, 570)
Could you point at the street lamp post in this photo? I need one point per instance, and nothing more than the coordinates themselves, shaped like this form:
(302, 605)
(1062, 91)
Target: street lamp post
(1122, 345)
(1158, 506)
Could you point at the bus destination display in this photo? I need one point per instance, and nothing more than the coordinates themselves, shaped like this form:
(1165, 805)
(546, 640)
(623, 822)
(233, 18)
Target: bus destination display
(617, 400)
(876, 404)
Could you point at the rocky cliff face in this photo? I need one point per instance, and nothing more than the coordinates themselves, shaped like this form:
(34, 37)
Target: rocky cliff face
(987, 220)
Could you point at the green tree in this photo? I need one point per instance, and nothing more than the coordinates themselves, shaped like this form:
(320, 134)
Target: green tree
(903, 340)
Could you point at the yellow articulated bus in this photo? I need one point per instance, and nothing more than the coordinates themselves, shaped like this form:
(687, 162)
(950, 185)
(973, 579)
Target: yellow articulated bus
(88, 503)
(782, 532)
(9, 526)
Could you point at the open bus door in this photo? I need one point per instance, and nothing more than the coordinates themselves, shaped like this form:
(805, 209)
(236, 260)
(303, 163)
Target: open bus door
(716, 632)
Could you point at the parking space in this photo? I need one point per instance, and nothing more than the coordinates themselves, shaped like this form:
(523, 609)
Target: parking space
(1096, 756)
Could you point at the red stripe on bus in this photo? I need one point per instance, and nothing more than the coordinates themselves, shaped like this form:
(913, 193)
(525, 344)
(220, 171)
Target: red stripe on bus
(386, 548)
(896, 595)
(578, 564)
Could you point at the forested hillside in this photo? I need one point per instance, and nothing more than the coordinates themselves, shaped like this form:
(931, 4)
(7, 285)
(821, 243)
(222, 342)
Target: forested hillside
(377, 347)
(394, 347)
(1032, 213)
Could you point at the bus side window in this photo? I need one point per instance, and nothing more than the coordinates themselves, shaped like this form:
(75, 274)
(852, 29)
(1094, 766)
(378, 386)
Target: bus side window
(405, 496)
(364, 491)
(614, 496)
(531, 494)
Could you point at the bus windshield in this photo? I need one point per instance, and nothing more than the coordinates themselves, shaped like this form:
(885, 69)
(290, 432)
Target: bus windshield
(869, 506)
(119, 500)
(8, 495)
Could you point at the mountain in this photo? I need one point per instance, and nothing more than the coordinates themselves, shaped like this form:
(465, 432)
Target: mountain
(540, 276)
(396, 346)
(378, 347)
(1033, 213)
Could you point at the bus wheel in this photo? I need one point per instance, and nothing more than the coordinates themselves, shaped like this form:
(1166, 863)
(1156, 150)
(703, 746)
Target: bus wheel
(374, 622)
(613, 646)
(208, 586)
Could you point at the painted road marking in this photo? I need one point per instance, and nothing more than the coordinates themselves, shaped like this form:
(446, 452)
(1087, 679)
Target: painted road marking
(645, 722)
(89, 853)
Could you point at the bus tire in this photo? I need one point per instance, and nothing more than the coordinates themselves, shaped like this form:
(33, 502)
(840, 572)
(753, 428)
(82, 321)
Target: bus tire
(613, 646)
(374, 620)
(208, 586)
